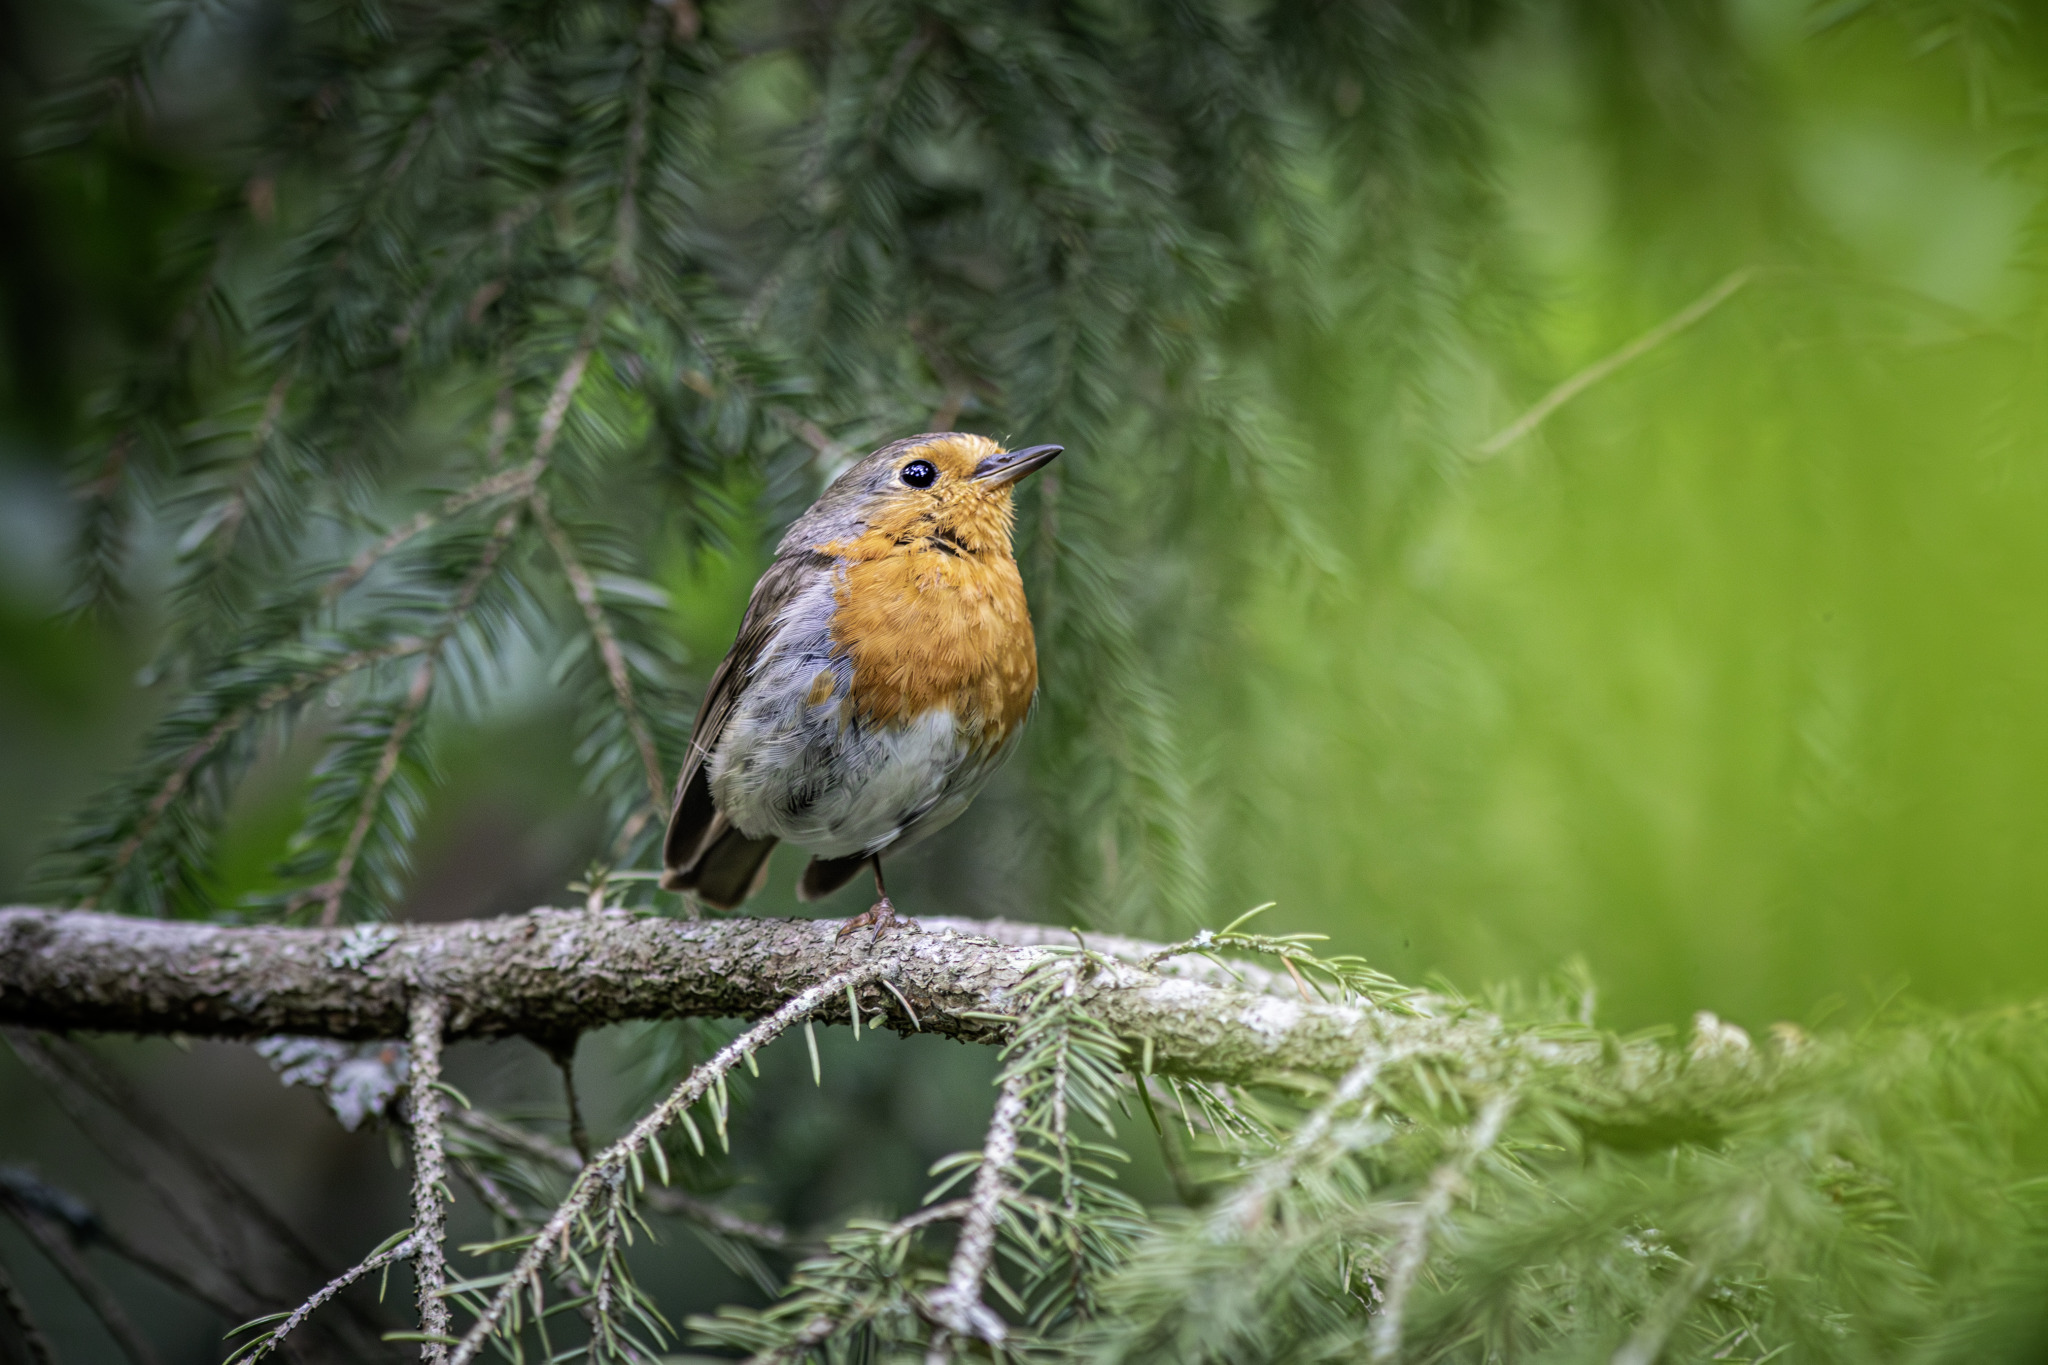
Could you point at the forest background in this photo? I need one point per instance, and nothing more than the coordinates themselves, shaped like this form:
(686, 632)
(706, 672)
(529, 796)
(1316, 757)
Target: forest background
(1724, 683)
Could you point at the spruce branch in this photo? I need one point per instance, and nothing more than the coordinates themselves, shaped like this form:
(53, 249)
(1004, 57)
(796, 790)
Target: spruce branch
(87, 1228)
(610, 1167)
(188, 763)
(53, 1241)
(957, 1307)
(661, 1198)
(504, 483)
(429, 1172)
(1411, 1249)
(332, 892)
(655, 27)
(606, 641)
(335, 889)
(553, 972)
(395, 1250)
(1247, 1206)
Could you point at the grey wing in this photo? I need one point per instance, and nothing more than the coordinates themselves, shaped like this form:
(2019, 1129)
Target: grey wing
(696, 827)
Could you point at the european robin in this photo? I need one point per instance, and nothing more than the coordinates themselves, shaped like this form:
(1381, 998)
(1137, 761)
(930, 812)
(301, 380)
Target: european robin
(882, 673)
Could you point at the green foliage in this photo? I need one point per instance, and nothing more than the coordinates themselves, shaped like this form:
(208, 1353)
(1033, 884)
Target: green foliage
(1514, 1192)
(500, 313)
(634, 252)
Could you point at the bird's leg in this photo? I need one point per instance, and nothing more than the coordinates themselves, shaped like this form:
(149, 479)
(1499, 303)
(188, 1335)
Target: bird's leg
(881, 915)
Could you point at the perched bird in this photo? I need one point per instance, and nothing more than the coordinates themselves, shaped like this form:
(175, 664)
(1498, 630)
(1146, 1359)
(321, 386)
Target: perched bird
(883, 670)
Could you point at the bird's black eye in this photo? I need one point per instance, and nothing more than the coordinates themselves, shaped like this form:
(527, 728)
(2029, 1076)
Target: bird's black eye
(920, 474)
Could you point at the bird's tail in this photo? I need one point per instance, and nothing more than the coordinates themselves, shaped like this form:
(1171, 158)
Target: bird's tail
(729, 869)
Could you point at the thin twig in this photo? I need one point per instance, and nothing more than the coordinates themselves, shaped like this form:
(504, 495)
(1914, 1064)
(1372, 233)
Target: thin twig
(1247, 1207)
(585, 589)
(336, 888)
(1645, 1345)
(189, 761)
(88, 1229)
(416, 696)
(957, 1306)
(1601, 369)
(490, 1191)
(270, 1340)
(626, 224)
(611, 1163)
(501, 1204)
(40, 1351)
(505, 481)
(50, 1237)
(557, 409)
(663, 1199)
(1412, 1249)
(429, 1172)
(229, 520)
(819, 1329)
(579, 1134)
(147, 1146)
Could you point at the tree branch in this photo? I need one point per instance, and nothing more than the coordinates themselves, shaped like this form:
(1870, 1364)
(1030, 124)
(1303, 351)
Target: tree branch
(52, 1241)
(661, 1198)
(958, 1305)
(429, 1174)
(584, 588)
(610, 1165)
(549, 973)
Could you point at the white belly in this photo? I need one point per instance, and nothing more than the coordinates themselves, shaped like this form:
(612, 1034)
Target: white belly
(791, 764)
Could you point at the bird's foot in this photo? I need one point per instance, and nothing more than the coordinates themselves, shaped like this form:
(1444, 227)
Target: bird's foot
(879, 916)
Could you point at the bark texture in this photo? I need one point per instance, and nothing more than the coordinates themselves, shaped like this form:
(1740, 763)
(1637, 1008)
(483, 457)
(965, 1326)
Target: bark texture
(549, 974)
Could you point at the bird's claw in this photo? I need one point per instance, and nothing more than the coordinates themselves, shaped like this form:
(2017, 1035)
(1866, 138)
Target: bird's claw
(879, 916)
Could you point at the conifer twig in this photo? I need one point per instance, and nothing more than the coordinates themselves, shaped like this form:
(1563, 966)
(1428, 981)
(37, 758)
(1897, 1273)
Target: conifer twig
(559, 398)
(399, 1249)
(1247, 1206)
(612, 1162)
(1412, 1248)
(505, 481)
(1607, 365)
(55, 1244)
(584, 587)
(663, 1198)
(188, 762)
(429, 1172)
(626, 222)
(228, 520)
(957, 1306)
(335, 889)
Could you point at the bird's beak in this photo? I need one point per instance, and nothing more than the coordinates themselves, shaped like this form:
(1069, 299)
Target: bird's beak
(1008, 466)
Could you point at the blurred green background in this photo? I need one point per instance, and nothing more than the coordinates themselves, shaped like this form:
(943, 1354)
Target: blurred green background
(1731, 680)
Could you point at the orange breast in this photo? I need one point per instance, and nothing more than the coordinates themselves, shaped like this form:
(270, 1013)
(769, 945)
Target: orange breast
(925, 628)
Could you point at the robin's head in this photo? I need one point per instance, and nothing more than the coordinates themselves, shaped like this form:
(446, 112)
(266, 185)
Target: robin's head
(950, 487)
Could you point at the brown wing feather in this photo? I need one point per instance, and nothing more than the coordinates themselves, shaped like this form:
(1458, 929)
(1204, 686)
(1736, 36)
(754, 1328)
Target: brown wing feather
(695, 824)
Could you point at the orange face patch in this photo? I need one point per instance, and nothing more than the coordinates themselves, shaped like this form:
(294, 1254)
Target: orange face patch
(931, 608)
